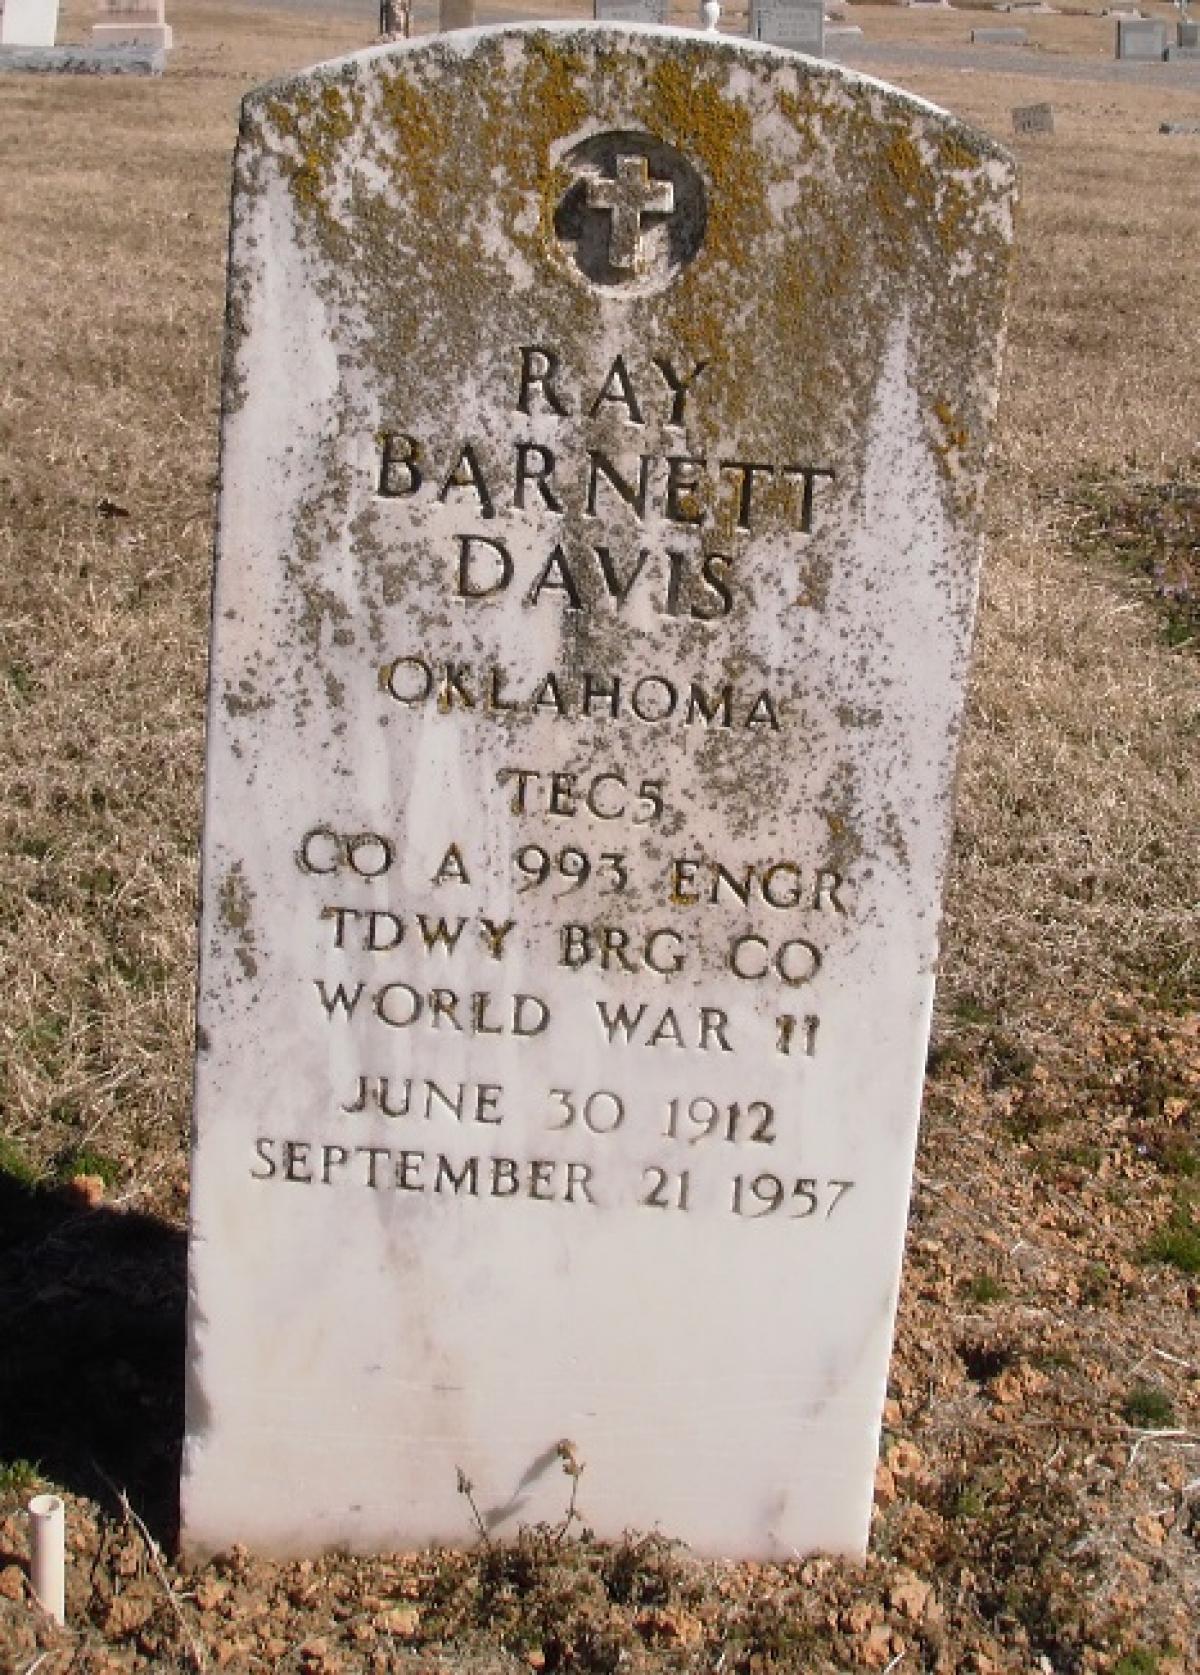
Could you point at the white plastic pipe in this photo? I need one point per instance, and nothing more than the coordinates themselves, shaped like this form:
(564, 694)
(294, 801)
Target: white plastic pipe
(48, 1557)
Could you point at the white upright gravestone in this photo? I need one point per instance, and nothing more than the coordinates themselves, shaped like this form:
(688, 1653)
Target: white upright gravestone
(28, 23)
(604, 427)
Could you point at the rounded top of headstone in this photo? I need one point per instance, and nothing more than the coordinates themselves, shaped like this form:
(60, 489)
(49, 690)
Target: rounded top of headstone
(569, 39)
(733, 199)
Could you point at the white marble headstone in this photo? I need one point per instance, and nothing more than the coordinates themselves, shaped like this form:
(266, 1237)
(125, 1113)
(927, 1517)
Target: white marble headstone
(28, 23)
(1141, 39)
(604, 426)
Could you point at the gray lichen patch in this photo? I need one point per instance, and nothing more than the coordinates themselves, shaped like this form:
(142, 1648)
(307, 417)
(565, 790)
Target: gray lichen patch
(235, 916)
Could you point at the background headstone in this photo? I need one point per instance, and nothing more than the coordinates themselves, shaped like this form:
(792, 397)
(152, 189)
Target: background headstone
(605, 417)
(1142, 39)
(132, 23)
(1033, 119)
(631, 11)
(1000, 37)
(28, 23)
(798, 24)
(395, 19)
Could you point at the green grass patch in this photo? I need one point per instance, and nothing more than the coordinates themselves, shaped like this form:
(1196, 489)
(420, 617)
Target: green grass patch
(84, 1160)
(986, 1288)
(1178, 1243)
(1140, 1661)
(21, 679)
(15, 1164)
(1008, 1061)
(1149, 1408)
(43, 1038)
(967, 1010)
(19, 1477)
(967, 1502)
(1097, 1284)
(1151, 529)
(1176, 1157)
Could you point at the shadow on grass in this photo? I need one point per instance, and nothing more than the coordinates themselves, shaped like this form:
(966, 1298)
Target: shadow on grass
(91, 1348)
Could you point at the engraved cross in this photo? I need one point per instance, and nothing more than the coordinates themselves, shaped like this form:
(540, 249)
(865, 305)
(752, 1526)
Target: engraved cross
(628, 198)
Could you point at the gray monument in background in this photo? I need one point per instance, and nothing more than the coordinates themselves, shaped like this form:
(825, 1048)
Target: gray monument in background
(1141, 39)
(797, 24)
(631, 11)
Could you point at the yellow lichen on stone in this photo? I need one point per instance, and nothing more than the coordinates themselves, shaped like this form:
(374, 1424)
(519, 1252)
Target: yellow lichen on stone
(955, 155)
(413, 141)
(909, 171)
(801, 114)
(956, 437)
(952, 212)
(553, 100)
(689, 105)
(316, 123)
(707, 123)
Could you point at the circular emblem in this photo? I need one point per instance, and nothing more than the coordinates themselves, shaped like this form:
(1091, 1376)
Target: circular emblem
(634, 214)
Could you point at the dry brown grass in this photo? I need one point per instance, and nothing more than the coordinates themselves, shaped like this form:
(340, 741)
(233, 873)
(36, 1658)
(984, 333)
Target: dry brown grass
(1079, 810)
(1070, 958)
(111, 269)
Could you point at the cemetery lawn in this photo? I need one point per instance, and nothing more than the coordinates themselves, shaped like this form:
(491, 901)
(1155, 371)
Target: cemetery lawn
(1038, 1493)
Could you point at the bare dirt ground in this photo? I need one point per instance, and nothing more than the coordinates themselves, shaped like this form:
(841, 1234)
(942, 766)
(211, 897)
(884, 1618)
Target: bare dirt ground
(1038, 1493)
